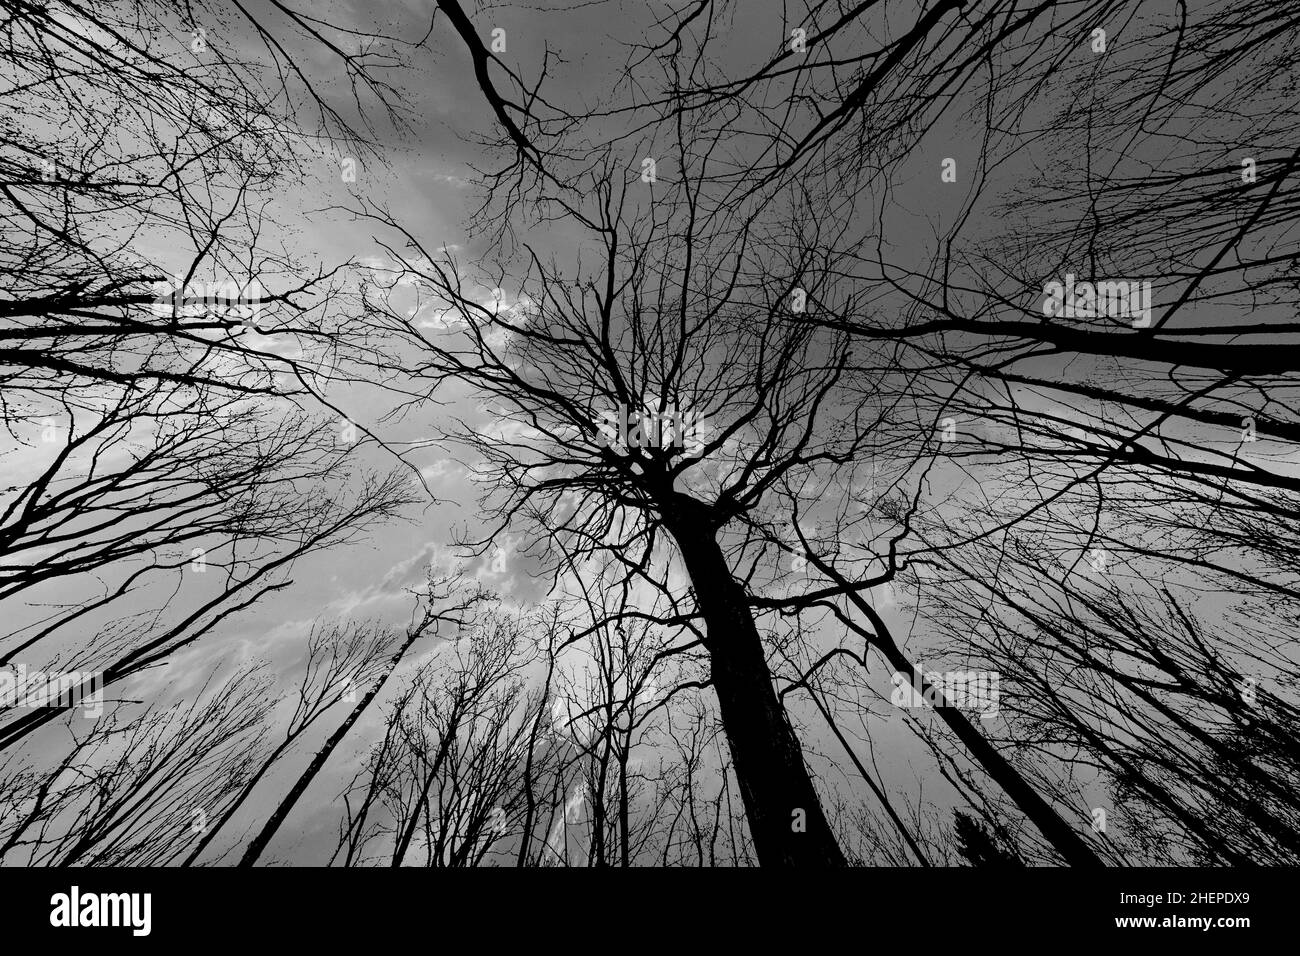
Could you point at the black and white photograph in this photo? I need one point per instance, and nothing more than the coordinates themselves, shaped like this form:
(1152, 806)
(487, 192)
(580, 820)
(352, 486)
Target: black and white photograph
(663, 435)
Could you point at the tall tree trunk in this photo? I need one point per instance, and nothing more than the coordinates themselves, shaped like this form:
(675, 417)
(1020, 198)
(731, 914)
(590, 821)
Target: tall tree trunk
(624, 814)
(785, 816)
(269, 828)
(421, 807)
(1060, 834)
(530, 798)
(1073, 847)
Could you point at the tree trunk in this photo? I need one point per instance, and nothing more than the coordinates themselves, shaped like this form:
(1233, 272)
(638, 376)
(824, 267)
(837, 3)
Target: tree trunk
(269, 828)
(785, 816)
(1060, 834)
